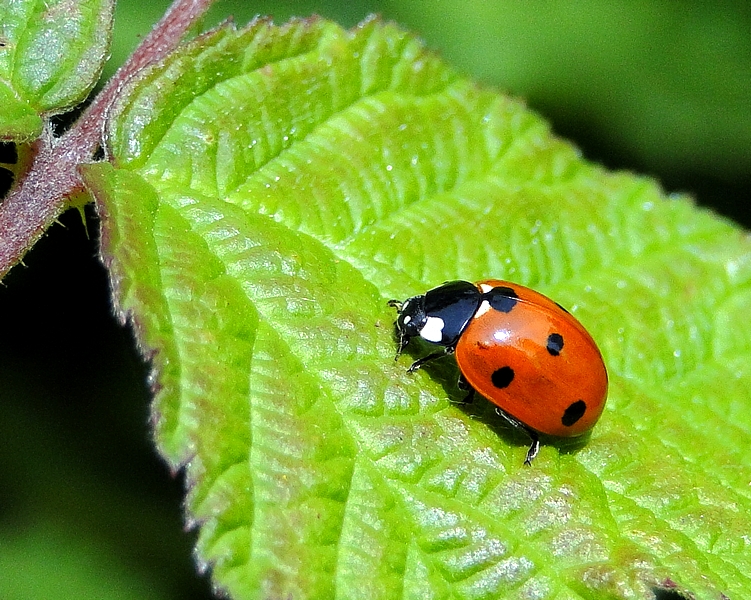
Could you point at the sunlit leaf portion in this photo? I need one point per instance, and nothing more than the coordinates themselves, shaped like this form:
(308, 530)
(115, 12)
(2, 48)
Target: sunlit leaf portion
(272, 187)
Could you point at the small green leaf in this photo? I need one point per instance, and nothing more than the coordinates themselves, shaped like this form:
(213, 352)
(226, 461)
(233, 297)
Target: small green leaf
(272, 188)
(18, 120)
(51, 55)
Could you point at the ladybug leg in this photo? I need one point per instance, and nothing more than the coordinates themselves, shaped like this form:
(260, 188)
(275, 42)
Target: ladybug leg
(403, 339)
(421, 361)
(463, 385)
(534, 447)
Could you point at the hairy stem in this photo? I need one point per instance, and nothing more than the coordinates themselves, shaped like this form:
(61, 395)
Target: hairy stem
(39, 198)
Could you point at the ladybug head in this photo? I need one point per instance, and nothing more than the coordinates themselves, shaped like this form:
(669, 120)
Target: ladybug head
(410, 321)
(438, 317)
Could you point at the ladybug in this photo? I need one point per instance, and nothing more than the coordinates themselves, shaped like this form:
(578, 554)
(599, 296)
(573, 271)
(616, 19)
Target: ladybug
(522, 351)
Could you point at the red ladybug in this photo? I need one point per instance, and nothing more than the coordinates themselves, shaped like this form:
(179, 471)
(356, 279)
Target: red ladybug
(522, 351)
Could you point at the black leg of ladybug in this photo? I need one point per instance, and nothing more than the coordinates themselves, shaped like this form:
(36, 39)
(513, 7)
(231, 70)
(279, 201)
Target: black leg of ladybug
(425, 359)
(534, 447)
(403, 339)
(463, 385)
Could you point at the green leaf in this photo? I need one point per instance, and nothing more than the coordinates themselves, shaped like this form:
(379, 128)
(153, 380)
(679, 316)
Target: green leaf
(51, 55)
(272, 188)
(600, 63)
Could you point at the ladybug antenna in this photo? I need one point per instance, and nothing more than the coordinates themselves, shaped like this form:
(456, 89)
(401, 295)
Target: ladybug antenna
(395, 304)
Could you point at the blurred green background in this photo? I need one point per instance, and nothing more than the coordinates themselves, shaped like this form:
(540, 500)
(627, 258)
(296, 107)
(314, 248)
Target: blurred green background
(87, 510)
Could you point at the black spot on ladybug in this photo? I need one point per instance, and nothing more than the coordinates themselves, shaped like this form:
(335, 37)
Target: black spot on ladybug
(573, 413)
(502, 298)
(563, 309)
(555, 344)
(502, 377)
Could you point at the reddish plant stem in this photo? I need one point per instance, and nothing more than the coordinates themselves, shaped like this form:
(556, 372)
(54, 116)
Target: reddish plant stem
(39, 198)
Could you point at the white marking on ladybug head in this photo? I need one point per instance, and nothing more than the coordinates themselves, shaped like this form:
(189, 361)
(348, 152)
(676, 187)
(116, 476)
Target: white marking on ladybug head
(483, 308)
(432, 331)
(485, 288)
(406, 319)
